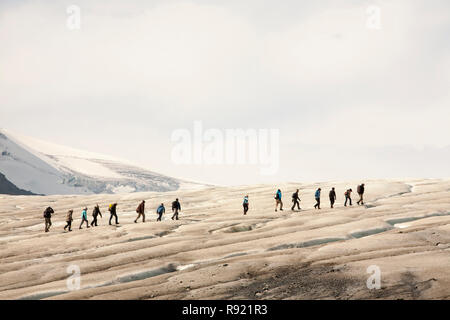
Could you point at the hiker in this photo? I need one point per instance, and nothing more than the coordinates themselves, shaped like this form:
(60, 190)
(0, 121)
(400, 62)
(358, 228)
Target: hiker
(48, 218)
(176, 207)
(95, 213)
(160, 211)
(84, 218)
(140, 211)
(317, 196)
(295, 200)
(278, 200)
(245, 205)
(69, 220)
(113, 213)
(360, 191)
(332, 195)
(348, 195)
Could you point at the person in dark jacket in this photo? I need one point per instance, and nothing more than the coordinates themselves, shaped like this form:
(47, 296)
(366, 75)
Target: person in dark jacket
(160, 211)
(113, 213)
(176, 208)
(48, 218)
(348, 197)
(278, 200)
(332, 195)
(317, 196)
(95, 213)
(140, 211)
(295, 200)
(69, 220)
(245, 205)
(84, 218)
(360, 191)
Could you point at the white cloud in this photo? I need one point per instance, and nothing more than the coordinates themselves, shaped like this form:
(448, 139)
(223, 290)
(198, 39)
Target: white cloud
(177, 52)
(135, 71)
(335, 46)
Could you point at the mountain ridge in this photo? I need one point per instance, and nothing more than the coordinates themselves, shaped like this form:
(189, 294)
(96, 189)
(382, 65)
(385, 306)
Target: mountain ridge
(46, 168)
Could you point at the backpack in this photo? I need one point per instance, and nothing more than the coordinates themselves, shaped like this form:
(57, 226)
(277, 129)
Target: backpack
(359, 189)
(160, 209)
(174, 205)
(48, 212)
(294, 196)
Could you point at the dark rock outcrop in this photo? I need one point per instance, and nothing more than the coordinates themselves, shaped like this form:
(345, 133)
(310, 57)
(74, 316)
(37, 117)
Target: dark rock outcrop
(6, 187)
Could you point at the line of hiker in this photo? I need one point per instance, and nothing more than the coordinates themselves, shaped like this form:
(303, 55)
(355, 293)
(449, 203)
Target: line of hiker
(176, 208)
(296, 199)
(347, 194)
(332, 196)
(140, 210)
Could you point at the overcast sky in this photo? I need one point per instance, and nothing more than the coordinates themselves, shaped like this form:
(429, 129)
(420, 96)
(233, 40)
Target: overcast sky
(349, 101)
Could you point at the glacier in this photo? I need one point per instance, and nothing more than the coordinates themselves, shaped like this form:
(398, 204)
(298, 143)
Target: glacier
(48, 169)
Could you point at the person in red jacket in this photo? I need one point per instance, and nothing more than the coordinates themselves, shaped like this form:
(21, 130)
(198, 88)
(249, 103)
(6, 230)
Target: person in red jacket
(140, 211)
(348, 196)
(69, 220)
(360, 191)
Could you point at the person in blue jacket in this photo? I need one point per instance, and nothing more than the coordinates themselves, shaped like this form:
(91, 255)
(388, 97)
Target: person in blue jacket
(245, 204)
(317, 196)
(84, 218)
(160, 211)
(278, 200)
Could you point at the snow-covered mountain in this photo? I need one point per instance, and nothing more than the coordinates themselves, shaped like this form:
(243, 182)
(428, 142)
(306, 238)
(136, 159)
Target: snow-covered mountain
(46, 168)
